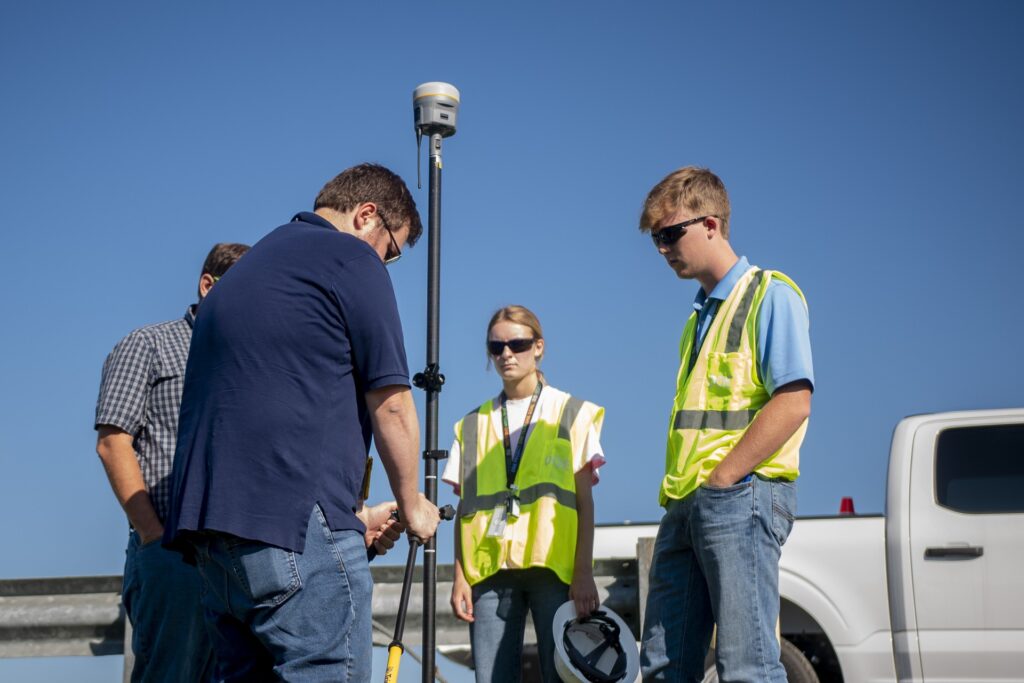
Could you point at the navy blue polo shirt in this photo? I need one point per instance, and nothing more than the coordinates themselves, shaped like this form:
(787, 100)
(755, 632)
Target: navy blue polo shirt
(273, 412)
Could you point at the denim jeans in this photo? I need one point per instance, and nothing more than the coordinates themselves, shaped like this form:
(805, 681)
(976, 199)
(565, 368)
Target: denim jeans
(275, 614)
(716, 559)
(500, 603)
(161, 598)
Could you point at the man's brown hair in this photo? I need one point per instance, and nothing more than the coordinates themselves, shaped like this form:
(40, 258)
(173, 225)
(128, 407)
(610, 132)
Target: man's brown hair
(221, 257)
(695, 189)
(373, 183)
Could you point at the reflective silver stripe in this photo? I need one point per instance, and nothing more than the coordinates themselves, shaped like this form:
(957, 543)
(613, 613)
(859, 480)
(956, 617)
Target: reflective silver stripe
(739, 320)
(730, 420)
(569, 413)
(470, 429)
(531, 494)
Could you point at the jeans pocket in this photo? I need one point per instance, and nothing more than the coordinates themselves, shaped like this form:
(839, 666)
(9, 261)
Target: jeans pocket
(155, 542)
(269, 574)
(738, 487)
(783, 508)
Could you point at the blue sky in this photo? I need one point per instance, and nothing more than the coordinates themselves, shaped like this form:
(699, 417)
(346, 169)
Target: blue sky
(872, 152)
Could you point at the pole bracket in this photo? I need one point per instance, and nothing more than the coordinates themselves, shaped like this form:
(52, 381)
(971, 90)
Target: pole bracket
(430, 379)
(435, 455)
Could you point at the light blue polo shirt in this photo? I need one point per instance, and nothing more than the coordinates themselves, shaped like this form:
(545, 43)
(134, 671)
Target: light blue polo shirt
(783, 328)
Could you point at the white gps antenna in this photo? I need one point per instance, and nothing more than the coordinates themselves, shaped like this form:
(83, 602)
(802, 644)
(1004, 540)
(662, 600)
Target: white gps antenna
(435, 108)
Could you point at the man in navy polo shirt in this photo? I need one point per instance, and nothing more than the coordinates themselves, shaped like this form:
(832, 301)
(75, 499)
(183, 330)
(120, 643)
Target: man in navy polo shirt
(297, 360)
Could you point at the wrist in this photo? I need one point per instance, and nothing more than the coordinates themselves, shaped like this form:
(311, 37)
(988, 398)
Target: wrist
(722, 476)
(406, 500)
(583, 572)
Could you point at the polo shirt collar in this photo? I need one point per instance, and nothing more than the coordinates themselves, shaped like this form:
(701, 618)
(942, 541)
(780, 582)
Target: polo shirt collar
(312, 219)
(724, 287)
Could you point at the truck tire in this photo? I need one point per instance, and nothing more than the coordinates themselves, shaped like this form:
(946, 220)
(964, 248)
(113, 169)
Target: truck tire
(798, 669)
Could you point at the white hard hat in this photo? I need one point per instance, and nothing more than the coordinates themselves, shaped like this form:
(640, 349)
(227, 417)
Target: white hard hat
(595, 649)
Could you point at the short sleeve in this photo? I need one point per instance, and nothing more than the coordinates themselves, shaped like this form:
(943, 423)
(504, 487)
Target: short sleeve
(124, 384)
(453, 468)
(368, 306)
(783, 337)
(593, 454)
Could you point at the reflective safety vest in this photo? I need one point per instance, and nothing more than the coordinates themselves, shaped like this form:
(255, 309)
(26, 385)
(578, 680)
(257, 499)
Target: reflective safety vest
(544, 533)
(717, 400)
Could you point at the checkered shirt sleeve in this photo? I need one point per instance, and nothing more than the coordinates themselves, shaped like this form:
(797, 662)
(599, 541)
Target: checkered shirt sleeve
(140, 393)
(124, 386)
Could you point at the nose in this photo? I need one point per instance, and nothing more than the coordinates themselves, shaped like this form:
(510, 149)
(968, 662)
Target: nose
(506, 352)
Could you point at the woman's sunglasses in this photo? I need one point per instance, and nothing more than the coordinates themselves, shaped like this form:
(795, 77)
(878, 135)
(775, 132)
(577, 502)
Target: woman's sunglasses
(496, 348)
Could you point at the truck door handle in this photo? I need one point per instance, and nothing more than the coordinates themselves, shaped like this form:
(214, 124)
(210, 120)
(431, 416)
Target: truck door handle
(963, 551)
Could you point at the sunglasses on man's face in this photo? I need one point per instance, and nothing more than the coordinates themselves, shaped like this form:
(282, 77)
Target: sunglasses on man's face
(394, 252)
(670, 234)
(496, 348)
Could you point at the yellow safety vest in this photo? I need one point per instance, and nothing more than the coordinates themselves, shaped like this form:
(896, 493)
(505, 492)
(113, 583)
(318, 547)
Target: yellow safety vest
(544, 533)
(717, 400)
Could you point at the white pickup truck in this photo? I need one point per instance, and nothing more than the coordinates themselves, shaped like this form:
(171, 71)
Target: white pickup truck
(933, 591)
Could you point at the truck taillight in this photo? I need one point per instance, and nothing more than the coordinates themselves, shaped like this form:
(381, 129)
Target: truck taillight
(846, 506)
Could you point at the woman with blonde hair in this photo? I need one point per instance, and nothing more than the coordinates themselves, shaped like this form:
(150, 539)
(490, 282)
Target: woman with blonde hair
(523, 464)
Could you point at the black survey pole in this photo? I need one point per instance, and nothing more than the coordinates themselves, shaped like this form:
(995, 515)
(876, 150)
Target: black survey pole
(431, 453)
(435, 106)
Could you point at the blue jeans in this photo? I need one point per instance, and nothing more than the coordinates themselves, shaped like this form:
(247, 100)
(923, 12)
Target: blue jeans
(500, 603)
(280, 615)
(161, 596)
(716, 559)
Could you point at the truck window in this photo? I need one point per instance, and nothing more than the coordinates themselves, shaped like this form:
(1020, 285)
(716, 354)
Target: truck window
(980, 470)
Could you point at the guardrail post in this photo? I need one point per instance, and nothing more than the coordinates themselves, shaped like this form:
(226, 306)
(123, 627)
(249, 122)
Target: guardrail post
(644, 555)
(129, 654)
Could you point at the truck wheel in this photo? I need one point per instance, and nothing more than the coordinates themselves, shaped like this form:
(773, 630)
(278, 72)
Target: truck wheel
(798, 669)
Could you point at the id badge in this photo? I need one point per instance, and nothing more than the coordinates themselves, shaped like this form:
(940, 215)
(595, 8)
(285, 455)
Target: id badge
(498, 522)
(512, 506)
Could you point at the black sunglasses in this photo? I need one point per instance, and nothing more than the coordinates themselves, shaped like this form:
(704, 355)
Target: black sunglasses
(496, 348)
(670, 234)
(393, 253)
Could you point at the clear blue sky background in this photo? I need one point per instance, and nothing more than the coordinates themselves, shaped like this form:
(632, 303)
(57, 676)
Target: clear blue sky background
(872, 151)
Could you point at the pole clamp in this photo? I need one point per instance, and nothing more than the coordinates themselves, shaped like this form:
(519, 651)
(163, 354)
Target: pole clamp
(430, 379)
(435, 455)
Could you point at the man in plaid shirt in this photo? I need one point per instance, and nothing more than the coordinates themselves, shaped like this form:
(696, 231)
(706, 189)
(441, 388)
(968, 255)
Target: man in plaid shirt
(137, 423)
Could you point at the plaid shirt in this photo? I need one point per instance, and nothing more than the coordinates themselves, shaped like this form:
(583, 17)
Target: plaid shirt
(140, 393)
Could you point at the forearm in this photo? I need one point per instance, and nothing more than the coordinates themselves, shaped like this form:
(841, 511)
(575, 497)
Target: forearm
(584, 564)
(396, 432)
(125, 476)
(781, 416)
(458, 573)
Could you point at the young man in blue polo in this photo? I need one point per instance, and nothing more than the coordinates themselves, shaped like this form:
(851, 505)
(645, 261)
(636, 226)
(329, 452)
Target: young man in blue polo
(743, 398)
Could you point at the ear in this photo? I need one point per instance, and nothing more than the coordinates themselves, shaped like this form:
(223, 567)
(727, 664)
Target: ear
(712, 225)
(205, 284)
(365, 216)
(538, 349)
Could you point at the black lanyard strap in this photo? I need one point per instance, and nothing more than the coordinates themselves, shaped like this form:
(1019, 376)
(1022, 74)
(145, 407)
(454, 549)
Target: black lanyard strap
(512, 459)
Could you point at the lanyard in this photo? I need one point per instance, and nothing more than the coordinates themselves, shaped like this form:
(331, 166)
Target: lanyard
(512, 459)
(698, 341)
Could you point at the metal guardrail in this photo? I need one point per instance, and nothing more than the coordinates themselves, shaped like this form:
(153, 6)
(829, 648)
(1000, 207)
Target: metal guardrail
(52, 617)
